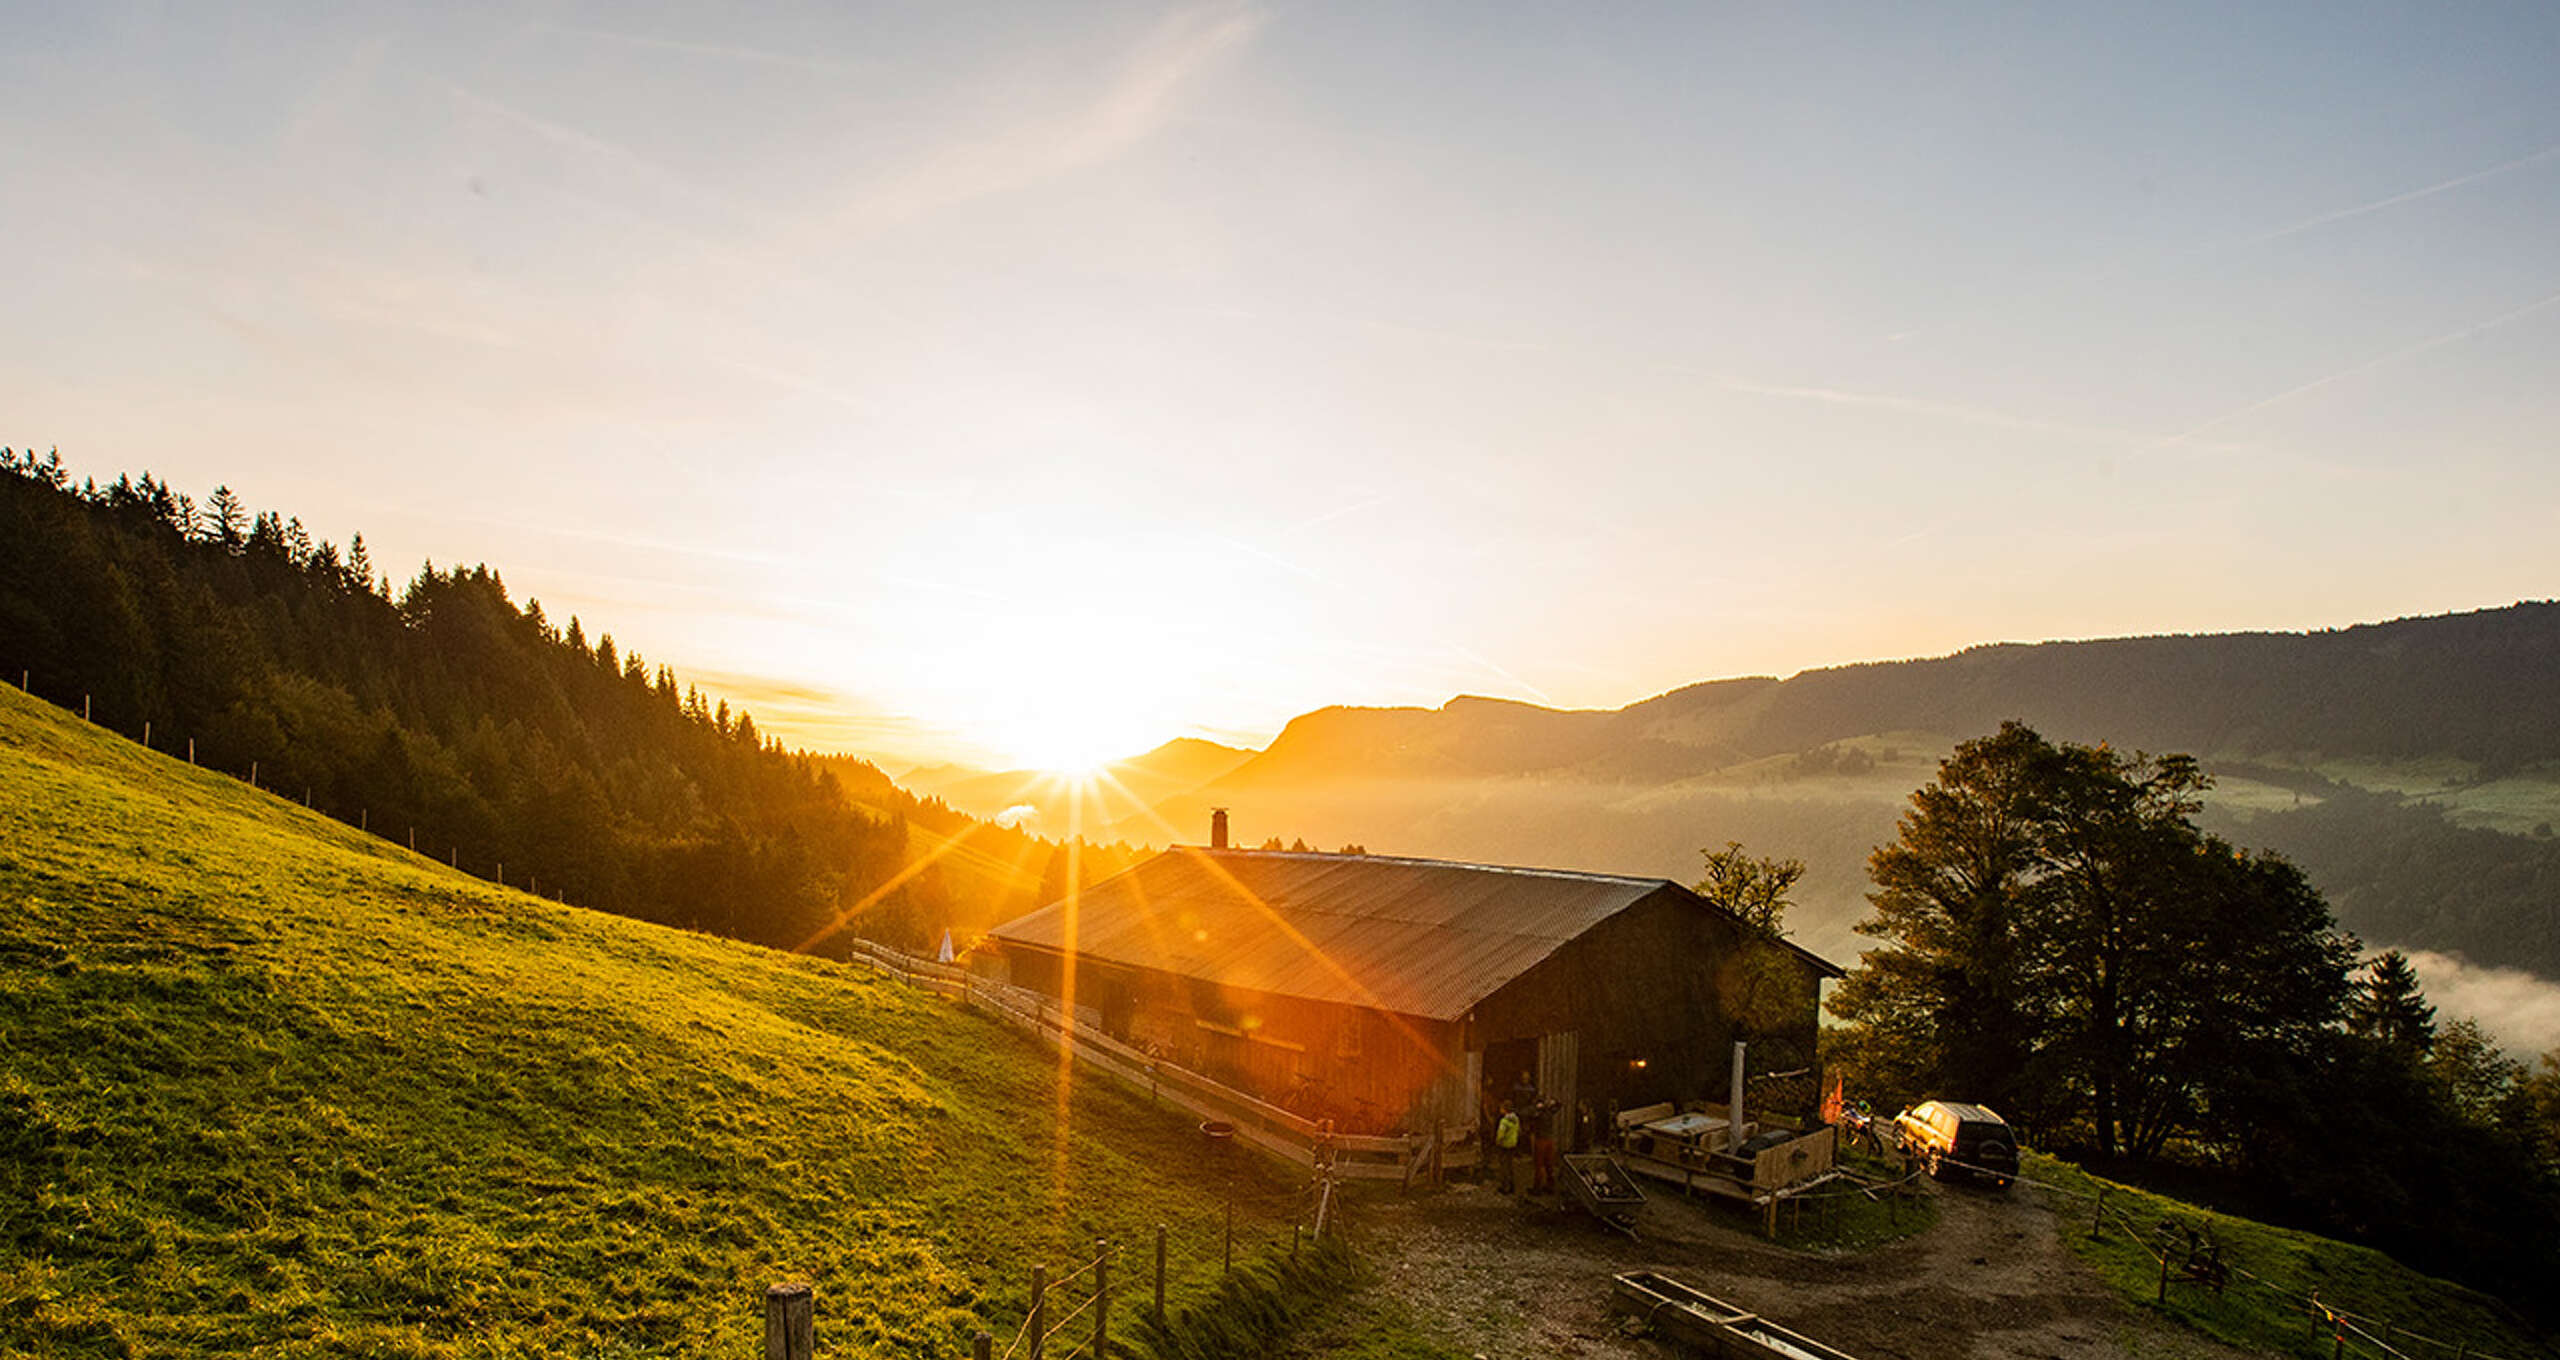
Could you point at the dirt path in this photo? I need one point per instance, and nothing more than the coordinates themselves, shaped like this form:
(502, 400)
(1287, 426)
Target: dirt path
(1504, 1278)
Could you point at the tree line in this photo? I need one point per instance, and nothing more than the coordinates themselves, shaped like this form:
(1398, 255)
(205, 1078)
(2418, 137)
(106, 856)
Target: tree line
(443, 712)
(2469, 685)
(2061, 941)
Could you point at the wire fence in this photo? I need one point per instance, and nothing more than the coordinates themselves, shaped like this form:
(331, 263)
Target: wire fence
(1056, 1313)
(257, 776)
(2203, 1265)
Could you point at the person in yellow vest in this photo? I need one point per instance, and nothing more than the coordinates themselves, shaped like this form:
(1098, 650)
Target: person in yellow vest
(1506, 1147)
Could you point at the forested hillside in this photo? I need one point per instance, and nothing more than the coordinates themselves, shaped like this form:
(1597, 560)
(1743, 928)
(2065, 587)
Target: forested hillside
(448, 715)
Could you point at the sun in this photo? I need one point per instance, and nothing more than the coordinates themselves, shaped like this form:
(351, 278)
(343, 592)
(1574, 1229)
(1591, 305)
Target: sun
(1074, 731)
(1066, 752)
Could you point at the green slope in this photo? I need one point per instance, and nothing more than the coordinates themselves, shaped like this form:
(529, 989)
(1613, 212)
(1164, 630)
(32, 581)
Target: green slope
(2275, 1273)
(269, 1084)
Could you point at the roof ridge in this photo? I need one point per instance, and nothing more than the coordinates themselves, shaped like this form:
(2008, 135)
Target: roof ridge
(1529, 871)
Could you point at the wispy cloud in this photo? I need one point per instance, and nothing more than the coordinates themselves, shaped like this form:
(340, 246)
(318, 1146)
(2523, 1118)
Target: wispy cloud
(573, 138)
(625, 539)
(2377, 205)
(1507, 675)
(1340, 511)
(2115, 268)
(2359, 369)
(1267, 556)
(726, 52)
(1139, 100)
(1913, 406)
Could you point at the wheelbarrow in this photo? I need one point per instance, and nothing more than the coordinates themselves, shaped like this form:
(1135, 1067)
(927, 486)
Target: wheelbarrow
(1601, 1188)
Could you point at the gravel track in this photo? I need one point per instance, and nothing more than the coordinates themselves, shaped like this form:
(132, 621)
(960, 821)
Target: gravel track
(1505, 1277)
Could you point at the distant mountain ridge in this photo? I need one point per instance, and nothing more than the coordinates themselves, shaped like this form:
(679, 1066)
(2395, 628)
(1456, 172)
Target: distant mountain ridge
(2478, 686)
(2438, 735)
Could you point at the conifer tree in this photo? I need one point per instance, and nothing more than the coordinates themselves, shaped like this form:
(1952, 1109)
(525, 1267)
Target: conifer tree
(230, 522)
(2389, 1008)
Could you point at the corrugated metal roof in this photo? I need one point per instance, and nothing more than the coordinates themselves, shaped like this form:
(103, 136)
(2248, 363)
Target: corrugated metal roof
(1415, 936)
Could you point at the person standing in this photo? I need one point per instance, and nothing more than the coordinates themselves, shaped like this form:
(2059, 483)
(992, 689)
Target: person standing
(1524, 1095)
(1523, 1102)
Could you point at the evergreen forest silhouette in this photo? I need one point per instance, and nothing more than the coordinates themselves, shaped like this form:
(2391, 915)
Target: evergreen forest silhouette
(447, 715)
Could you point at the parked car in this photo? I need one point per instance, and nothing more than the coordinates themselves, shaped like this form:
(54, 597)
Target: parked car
(1947, 1135)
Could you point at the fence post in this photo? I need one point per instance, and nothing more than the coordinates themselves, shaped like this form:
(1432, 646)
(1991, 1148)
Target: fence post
(1039, 1308)
(1160, 1274)
(253, 774)
(982, 1346)
(790, 1322)
(146, 731)
(1101, 1297)
(191, 750)
(2098, 1220)
(84, 708)
(2163, 1295)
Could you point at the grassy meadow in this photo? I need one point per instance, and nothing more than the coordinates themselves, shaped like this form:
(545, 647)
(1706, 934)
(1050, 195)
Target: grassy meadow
(270, 1085)
(2271, 1313)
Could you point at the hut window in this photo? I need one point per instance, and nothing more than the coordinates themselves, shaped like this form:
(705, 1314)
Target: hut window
(1346, 1040)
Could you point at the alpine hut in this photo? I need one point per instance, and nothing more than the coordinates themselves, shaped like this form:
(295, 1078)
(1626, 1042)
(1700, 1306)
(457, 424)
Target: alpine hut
(1391, 994)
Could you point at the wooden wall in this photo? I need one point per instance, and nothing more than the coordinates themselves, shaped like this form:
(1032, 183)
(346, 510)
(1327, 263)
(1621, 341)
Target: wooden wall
(1669, 983)
(1371, 1071)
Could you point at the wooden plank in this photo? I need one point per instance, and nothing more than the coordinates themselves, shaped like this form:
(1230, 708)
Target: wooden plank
(1794, 1160)
(1557, 1059)
(1259, 1123)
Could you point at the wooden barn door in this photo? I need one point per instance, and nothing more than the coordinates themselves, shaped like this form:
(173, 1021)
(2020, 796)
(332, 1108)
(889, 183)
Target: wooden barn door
(1557, 1055)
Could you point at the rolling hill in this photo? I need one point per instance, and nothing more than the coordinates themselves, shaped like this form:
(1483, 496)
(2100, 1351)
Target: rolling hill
(270, 1084)
(2411, 767)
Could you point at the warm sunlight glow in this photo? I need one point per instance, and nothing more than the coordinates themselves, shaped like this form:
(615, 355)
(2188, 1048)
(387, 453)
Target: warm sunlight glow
(1057, 644)
(1075, 745)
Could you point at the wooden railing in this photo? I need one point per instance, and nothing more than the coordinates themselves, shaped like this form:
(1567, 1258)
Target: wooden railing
(1281, 1133)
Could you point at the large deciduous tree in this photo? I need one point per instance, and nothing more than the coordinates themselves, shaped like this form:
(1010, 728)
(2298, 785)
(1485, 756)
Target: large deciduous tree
(2063, 942)
(1766, 988)
(1942, 1006)
(1754, 888)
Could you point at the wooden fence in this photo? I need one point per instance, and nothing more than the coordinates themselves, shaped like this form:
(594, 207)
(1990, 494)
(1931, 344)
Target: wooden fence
(1067, 1315)
(1292, 1138)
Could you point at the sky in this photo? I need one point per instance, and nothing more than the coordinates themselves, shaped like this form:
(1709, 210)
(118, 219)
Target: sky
(1031, 384)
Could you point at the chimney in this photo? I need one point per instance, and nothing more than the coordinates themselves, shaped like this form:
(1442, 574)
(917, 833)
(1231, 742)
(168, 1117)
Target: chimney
(1217, 828)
